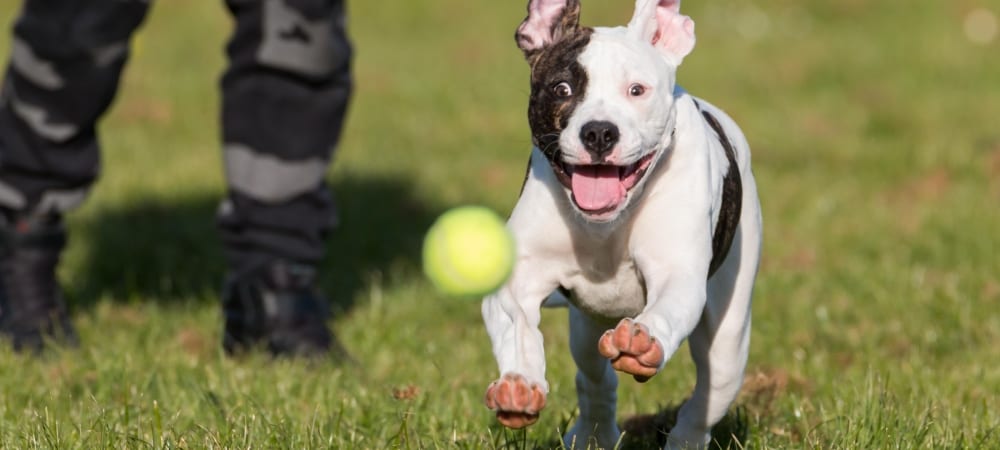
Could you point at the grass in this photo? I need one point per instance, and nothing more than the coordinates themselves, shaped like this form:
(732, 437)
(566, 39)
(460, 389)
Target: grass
(876, 151)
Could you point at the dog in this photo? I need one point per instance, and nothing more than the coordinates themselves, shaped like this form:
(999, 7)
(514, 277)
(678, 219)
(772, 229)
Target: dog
(639, 209)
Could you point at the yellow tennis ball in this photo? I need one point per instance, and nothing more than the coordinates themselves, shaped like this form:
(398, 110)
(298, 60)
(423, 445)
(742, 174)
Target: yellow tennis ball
(468, 252)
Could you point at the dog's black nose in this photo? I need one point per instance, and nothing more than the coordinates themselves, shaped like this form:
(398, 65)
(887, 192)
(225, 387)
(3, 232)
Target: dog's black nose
(599, 137)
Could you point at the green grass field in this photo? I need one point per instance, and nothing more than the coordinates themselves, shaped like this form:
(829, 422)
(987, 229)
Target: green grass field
(877, 316)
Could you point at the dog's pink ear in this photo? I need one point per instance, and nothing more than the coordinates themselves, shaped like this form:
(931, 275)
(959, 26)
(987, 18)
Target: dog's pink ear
(661, 23)
(548, 21)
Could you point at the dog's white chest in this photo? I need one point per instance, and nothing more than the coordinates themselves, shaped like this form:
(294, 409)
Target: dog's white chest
(607, 287)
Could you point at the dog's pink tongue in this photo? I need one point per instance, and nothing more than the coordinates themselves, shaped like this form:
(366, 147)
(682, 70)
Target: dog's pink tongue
(597, 187)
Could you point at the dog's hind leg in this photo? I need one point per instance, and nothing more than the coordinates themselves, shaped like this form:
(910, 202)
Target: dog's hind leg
(721, 342)
(596, 386)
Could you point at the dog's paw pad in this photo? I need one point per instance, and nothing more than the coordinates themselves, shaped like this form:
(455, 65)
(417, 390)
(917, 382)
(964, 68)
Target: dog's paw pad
(516, 401)
(632, 349)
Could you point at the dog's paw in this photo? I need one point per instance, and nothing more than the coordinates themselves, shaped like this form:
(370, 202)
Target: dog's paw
(516, 401)
(632, 350)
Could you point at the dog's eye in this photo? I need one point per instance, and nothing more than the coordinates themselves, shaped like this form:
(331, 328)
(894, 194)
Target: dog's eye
(562, 90)
(636, 90)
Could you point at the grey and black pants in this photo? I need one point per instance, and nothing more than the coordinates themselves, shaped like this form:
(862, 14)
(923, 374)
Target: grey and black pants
(284, 97)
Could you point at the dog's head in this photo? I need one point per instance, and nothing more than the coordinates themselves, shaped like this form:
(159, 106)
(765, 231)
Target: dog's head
(602, 104)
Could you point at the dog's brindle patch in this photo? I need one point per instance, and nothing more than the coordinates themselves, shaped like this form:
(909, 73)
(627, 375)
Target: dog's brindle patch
(732, 198)
(549, 114)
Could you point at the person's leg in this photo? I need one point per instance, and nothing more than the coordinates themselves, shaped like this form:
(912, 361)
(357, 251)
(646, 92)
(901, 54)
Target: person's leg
(284, 97)
(66, 59)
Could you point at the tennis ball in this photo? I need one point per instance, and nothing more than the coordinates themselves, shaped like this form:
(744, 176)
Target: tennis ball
(468, 252)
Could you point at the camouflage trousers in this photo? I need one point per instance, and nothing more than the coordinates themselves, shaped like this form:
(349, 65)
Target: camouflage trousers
(284, 96)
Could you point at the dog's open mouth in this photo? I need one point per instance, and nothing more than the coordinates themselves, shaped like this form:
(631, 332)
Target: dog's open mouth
(601, 188)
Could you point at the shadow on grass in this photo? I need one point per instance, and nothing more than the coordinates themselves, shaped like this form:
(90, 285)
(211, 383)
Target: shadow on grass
(168, 249)
(649, 431)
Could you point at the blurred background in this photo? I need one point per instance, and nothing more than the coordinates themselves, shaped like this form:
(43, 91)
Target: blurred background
(876, 143)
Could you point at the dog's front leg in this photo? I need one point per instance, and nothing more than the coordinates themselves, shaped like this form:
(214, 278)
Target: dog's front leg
(512, 316)
(641, 346)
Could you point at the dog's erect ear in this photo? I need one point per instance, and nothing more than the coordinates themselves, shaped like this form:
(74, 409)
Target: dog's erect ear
(548, 21)
(661, 23)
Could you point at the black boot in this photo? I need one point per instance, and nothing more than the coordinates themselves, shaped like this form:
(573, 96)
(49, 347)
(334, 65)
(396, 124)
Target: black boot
(32, 309)
(277, 305)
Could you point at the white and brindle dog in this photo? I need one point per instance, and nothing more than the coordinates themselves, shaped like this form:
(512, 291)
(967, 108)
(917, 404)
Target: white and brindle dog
(639, 207)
